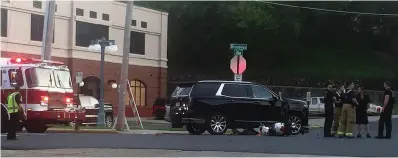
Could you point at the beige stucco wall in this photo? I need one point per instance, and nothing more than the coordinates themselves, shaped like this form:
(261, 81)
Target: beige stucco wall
(18, 32)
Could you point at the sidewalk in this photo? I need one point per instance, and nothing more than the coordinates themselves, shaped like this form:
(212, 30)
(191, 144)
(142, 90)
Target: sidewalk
(318, 122)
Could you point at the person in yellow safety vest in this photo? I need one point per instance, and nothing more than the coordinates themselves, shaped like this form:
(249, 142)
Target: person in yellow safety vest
(347, 118)
(13, 106)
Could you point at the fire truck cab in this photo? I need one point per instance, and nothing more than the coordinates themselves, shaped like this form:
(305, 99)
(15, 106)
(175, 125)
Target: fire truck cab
(46, 90)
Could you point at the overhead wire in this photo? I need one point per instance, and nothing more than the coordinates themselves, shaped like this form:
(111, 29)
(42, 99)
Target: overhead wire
(330, 10)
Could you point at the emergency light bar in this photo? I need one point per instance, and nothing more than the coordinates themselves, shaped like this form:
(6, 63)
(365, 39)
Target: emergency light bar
(34, 61)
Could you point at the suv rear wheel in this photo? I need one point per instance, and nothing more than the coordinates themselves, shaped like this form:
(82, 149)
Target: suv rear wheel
(195, 129)
(217, 124)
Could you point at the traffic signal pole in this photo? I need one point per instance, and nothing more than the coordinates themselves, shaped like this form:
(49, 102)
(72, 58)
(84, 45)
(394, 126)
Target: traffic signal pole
(48, 30)
(125, 65)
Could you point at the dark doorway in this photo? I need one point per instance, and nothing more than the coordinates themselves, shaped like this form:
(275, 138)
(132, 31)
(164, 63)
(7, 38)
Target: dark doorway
(91, 87)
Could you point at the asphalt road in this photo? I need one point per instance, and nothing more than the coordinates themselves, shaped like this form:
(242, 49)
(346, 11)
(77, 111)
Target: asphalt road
(310, 144)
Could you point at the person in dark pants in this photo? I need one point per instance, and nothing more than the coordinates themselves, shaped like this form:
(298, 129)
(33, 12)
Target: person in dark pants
(13, 107)
(361, 112)
(386, 114)
(329, 113)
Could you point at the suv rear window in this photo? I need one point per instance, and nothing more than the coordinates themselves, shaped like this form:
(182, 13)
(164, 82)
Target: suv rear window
(205, 89)
(236, 90)
(182, 89)
(199, 89)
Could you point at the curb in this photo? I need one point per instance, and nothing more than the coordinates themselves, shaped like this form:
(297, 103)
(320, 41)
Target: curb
(80, 131)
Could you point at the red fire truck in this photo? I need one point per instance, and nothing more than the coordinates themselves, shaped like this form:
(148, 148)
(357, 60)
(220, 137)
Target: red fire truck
(46, 90)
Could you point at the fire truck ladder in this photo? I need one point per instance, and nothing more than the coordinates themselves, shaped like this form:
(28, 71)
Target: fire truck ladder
(133, 107)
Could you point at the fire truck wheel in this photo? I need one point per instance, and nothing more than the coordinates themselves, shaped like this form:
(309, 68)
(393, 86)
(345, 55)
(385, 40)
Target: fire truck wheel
(36, 127)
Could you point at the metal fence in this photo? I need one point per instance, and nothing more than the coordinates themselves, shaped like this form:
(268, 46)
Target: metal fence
(376, 97)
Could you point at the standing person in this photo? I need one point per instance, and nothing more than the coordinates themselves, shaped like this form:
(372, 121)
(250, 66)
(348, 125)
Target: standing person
(338, 105)
(329, 99)
(386, 113)
(361, 112)
(347, 118)
(13, 106)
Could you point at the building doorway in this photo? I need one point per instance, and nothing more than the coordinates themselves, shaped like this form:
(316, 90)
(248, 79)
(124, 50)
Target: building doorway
(91, 87)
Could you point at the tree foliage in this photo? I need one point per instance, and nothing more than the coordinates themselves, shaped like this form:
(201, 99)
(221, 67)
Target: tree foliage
(282, 41)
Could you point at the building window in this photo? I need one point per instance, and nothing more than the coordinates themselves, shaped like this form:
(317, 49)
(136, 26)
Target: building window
(56, 8)
(133, 23)
(36, 28)
(85, 32)
(37, 4)
(79, 12)
(105, 17)
(139, 92)
(93, 14)
(4, 22)
(143, 24)
(137, 43)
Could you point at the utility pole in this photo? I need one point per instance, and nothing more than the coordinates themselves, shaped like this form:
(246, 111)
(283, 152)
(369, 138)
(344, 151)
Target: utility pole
(48, 30)
(125, 65)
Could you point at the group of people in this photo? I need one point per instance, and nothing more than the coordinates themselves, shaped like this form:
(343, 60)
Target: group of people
(347, 107)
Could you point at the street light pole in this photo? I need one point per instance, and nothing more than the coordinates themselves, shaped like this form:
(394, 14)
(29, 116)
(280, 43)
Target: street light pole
(125, 66)
(102, 45)
(101, 113)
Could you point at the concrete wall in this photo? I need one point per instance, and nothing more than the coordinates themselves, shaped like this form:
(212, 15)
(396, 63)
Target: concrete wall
(19, 20)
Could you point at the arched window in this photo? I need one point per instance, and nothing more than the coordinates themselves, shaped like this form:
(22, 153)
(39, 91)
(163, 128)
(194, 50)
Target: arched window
(139, 91)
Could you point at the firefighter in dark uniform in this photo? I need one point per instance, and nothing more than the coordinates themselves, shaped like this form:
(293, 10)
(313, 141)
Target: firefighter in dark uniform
(338, 105)
(329, 100)
(14, 110)
(386, 114)
(347, 118)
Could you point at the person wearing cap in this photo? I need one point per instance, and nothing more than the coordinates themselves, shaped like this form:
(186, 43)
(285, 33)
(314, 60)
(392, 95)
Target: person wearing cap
(329, 99)
(338, 105)
(347, 118)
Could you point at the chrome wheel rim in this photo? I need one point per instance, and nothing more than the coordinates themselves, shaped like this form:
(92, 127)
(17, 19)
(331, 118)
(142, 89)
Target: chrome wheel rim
(109, 122)
(297, 122)
(218, 123)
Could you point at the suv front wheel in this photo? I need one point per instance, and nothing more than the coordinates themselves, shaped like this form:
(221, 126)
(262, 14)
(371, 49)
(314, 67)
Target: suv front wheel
(195, 129)
(297, 120)
(217, 124)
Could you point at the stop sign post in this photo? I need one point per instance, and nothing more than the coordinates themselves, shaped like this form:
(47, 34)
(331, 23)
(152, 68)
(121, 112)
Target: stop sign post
(238, 63)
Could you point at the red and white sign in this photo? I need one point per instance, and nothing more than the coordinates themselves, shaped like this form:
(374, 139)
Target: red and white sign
(238, 64)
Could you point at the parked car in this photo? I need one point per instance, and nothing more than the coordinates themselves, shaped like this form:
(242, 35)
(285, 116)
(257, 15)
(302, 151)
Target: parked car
(91, 106)
(216, 106)
(159, 108)
(317, 106)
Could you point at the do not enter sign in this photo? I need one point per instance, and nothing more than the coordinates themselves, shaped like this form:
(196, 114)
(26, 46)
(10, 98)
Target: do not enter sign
(238, 64)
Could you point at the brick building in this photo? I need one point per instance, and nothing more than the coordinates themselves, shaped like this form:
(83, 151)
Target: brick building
(78, 22)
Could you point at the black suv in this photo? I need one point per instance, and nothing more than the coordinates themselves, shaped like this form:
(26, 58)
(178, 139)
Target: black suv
(216, 106)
